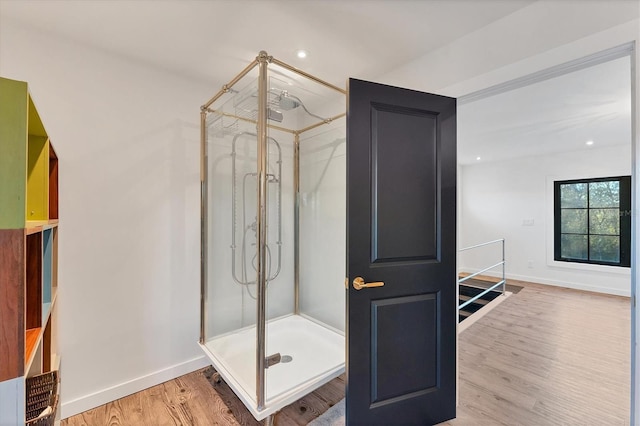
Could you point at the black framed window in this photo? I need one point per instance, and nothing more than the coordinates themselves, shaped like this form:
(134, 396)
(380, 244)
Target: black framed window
(593, 221)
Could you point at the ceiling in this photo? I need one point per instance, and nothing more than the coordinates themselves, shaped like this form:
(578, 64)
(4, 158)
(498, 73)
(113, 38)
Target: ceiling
(213, 40)
(551, 116)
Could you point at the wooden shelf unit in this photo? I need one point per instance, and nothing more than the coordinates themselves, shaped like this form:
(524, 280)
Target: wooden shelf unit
(28, 249)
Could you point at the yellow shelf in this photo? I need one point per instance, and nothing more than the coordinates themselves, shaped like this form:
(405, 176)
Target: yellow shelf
(38, 178)
(28, 162)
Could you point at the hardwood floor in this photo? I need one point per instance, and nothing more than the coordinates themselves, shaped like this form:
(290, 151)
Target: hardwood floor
(545, 356)
(194, 399)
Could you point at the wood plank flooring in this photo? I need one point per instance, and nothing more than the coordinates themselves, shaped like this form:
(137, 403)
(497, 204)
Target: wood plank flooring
(194, 399)
(545, 356)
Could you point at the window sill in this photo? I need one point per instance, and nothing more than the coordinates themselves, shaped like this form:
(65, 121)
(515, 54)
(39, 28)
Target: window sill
(586, 267)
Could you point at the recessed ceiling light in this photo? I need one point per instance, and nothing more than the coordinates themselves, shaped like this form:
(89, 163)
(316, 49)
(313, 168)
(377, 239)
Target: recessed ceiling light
(589, 143)
(301, 53)
(478, 158)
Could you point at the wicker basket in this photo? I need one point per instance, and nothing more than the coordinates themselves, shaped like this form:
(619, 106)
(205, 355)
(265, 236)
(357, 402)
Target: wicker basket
(42, 392)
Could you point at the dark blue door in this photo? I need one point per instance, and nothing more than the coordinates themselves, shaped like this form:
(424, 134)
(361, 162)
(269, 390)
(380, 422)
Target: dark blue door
(401, 256)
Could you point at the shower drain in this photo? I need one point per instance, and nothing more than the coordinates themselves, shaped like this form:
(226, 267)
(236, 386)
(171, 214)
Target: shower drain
(286, 358)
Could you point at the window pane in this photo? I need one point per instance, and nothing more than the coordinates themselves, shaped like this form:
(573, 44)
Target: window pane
(573, 246)
(573, 221)
(604, 194)
(604, 221)
(605, 249)
(573, 195)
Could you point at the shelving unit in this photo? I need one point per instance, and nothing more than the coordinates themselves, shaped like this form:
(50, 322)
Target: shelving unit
(28, 252)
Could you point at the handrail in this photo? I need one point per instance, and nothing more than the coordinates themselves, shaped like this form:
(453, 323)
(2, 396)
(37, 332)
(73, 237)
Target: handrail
(479, 272)
(502, 283)
(482, 244)
(478, 296)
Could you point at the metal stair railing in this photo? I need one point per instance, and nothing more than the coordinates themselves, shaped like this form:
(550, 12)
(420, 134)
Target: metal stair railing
(502, 283)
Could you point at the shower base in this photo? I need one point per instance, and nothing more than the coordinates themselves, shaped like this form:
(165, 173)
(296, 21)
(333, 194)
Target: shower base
(317, 356)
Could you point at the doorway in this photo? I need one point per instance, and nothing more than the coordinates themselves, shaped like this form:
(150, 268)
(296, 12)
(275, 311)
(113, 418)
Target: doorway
(515, 140)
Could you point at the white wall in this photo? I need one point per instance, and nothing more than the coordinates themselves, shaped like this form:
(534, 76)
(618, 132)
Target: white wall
(497, 199)
(127, 136)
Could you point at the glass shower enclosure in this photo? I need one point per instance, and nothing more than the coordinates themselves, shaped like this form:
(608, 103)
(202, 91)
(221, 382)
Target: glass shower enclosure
(273, 177)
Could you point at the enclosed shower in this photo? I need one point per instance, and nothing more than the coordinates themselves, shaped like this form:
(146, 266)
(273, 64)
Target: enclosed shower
(273, 233)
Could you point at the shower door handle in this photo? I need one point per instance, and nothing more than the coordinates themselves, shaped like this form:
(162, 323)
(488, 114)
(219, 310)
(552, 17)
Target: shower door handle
(359, 284)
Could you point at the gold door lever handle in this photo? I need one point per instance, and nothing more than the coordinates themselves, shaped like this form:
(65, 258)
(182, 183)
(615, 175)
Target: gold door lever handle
(359, 284)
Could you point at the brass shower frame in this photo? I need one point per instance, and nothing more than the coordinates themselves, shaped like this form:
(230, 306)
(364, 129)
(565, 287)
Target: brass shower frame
(262, 61)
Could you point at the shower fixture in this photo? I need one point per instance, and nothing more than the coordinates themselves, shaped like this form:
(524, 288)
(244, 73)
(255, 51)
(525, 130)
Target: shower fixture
(278, 100)
(272, 302)
(287, 102)
(239, 214)
(274, 115)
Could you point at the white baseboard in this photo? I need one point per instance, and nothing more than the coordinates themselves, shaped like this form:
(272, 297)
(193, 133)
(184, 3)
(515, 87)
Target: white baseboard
(92, 400)
(557, 283)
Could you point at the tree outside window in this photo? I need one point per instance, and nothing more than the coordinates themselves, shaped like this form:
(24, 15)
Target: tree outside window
(593, 221)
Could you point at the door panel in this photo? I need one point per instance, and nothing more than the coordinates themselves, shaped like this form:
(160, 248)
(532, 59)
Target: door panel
(391, 351)
(393, 239)
(401, 193)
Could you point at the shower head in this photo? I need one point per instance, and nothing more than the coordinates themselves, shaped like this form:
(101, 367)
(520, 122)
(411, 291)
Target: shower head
(279, 100)
(287, 103)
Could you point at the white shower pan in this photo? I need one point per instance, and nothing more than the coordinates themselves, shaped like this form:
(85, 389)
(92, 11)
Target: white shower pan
(316, 351)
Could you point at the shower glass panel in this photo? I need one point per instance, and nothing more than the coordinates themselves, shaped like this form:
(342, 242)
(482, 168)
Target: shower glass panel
(322, 224)
(273, 241)
(230, 236)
